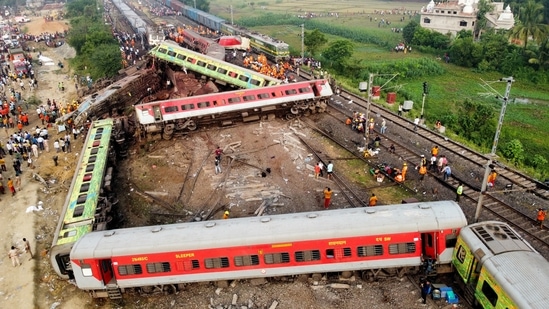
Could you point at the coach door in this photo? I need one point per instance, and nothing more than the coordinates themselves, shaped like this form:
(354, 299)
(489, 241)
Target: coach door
(106, 271)
(428, 245)
(157, 113)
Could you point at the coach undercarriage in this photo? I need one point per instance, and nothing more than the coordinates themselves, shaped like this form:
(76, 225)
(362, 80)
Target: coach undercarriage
(288, 111)
(370, 275)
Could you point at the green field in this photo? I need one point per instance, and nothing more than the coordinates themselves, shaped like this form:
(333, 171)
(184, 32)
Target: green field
(526, 122)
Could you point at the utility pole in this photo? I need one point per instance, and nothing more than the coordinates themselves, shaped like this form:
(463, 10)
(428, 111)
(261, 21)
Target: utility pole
(232, 21)
(302, 42)
(194, 4)
(366, 127)
(492, 154)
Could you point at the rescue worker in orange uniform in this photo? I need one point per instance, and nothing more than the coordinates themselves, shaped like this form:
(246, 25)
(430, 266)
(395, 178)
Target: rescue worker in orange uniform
(404, 170)
(492, 178)
(422, 172)
(373, 200)
(541, 216)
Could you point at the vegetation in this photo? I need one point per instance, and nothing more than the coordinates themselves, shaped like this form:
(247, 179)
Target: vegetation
(457, 96)
(97, 52)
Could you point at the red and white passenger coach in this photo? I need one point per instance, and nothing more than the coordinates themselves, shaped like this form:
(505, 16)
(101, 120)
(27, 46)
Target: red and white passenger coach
(246, 104)
(393, 238)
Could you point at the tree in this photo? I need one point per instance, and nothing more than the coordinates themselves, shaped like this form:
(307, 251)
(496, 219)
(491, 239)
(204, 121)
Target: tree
(530, 23)
(338, 53)
(313, 40)
(203, 5)
(484, 7)
(409, 30)
(465, 52)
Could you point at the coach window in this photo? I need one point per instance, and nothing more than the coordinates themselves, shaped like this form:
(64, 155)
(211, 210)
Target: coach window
(255, 82)
(263, 95)
(171, 53)
(201, 63)
(187, 107)
(78, 211)
(307, 255)
(86, 270)
(490, 294)
(290, 91)
(304, 90)
(222, 71)
(162, 50)
(203, 104)
(162, 267)
(402, 248)
(211, 67)
(222, 262)
(97, 136)
(243, 78)
(189, 59)
(374, 250)
(127, 270)
(94, 151)
(181, 57)
(82, 199)
(90, 167)
(187, 265)
(92, 159)
(451, 240)
(246, 260)
(85, 187)
(232, 74)
(234, 100)
(248, 98)
(170, 109)
(277, 258)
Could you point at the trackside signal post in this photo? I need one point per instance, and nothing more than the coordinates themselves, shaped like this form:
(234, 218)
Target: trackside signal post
(509, 81)
(425, 93)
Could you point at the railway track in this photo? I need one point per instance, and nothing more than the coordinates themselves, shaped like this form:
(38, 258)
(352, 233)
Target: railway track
(496, 204)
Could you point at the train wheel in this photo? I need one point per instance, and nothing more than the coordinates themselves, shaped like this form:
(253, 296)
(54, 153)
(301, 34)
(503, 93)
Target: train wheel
(167, 136)
(170, 289)
(368, 275)
(192, 126)
(294, 110)
(316, 277)
(290, 116)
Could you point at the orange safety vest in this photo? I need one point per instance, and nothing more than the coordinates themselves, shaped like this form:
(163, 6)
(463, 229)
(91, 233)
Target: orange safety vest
(423, 170)
(541, 215)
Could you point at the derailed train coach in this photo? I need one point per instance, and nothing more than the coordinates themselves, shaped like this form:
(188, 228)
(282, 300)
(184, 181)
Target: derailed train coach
(392, 240)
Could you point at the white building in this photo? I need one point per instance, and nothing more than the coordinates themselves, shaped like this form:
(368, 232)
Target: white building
(456, 15)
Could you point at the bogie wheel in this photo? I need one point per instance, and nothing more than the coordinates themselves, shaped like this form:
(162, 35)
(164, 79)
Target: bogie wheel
(192, 126)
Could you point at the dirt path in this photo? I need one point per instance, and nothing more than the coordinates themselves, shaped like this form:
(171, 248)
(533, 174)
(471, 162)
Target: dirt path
(19, 285)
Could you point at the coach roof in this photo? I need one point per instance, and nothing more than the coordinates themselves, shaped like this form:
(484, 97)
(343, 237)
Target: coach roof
(352, 222)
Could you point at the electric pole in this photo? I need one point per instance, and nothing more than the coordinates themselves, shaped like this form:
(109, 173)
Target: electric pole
(492, 154)
(366, 126)
(232, 22)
